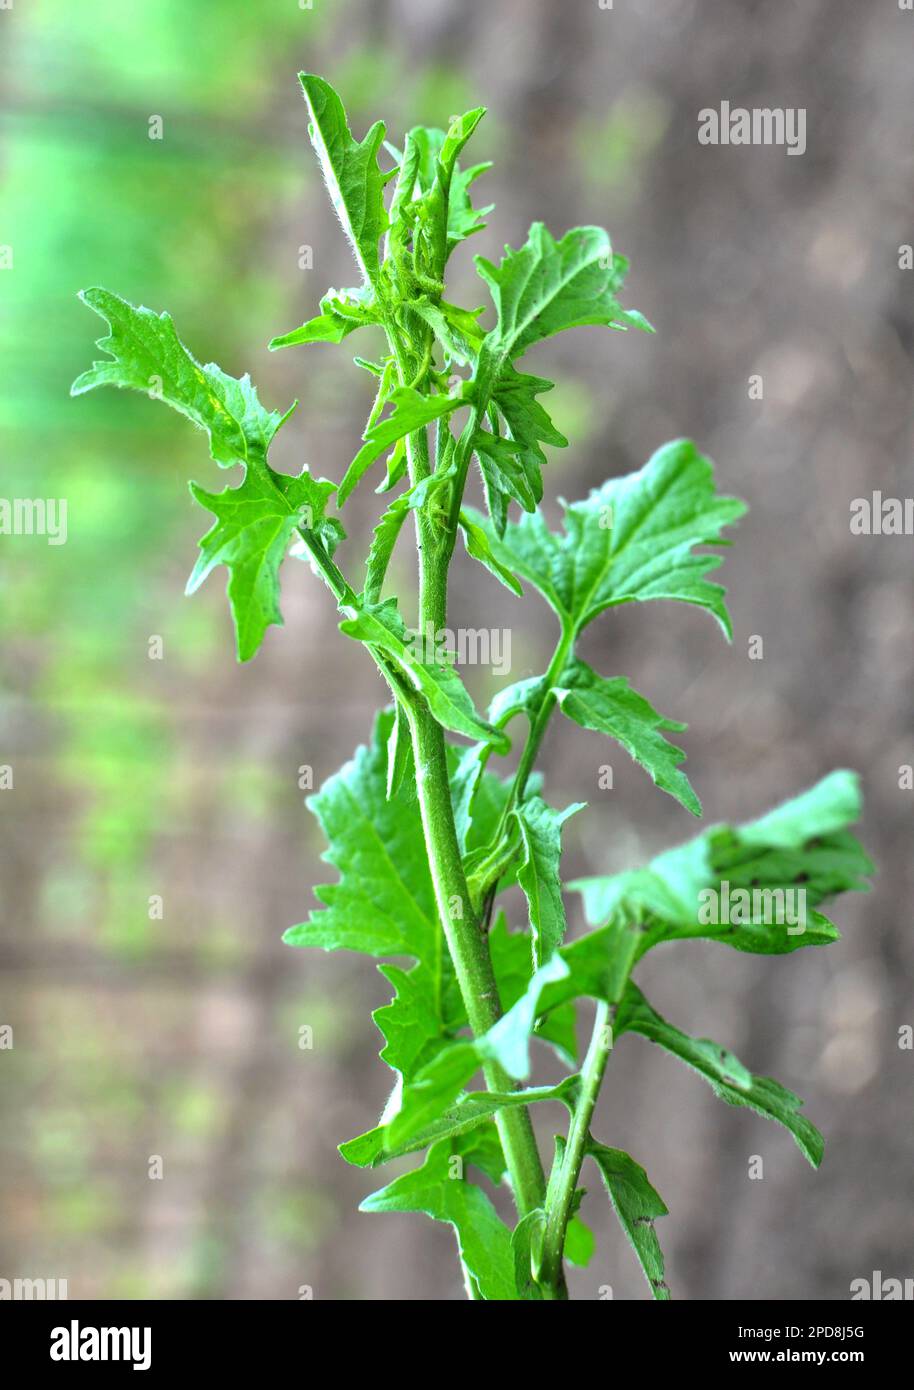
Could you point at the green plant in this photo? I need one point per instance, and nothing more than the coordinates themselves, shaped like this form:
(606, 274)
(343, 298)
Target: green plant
(424, 834)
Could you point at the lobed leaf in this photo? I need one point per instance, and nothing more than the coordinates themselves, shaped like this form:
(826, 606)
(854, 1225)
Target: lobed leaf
(633, 539)
(802, 845)
(727, 1076)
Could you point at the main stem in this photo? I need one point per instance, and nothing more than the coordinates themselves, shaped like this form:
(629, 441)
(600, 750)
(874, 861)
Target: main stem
(466, 941)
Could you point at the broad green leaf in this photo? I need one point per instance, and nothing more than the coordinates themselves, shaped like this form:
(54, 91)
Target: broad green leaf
(550, 285)
(435, 1189)
(384, 903)
(381, 626)
(538, 874)
(631, 540)
(351, 171)
(254, 524)
(734, 883)
(612, 707)
(411, 411)
(727, 1076)
(637, 1206)
(148, 356)
(342, 312)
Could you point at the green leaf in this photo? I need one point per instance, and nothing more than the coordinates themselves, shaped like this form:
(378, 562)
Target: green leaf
(385, 1142)
(527, 1244)
(727, 1076)
(694, 890)
(548, 286)
(342, 312)
(477, 545)
(612, 707)
(411, 411)
(255, 521)
(351, 171)
(631, 540)
(384, 904)
(637, 1206)
(483, 1238)
(381, 626)
(538, 875)
(254, 524)
(512, 961)
(148, 356)
(383, 541)
(436, 1086)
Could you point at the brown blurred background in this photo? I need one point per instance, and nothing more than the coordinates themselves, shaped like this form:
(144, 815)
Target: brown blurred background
(178, 778)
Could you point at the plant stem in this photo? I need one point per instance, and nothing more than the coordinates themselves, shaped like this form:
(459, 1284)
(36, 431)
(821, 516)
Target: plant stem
(469, 950)
(531, 748)
(558, 1210)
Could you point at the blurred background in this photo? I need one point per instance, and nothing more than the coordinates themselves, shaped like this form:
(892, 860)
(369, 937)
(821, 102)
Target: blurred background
(139, 780)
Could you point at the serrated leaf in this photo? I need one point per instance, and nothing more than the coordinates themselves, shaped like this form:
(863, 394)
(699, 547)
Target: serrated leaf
(351, 171)
(612, 707)
(538, 874)
(383, 541)
(342, 312)
(547, 286)
(631, 540)
(483, 1239)
(254, 524)
(411, 412)
(802, 845)
(381, 626)
(727, 1076)
(637, 1206)
(148, 356)
(384, 903)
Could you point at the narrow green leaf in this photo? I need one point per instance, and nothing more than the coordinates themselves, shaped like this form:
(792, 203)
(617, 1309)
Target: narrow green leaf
(477, 545)
(538, 875)
(382, 544)
(637, 1206)
(342, 312)
(445, 694)
(411, 411)
(612, 707)
(351, 171)
(727, 1076)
